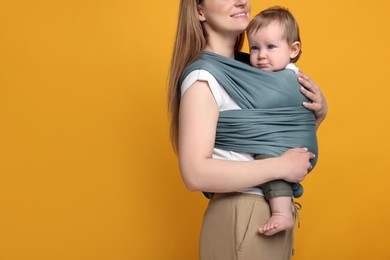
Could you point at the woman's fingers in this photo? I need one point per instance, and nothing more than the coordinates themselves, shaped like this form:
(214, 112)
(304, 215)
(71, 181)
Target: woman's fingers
(311, 156)
(307, 82)
(297, 162)
(310, 89)
(318, 103)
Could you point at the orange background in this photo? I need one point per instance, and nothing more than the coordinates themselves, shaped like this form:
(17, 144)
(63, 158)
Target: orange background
(86, 168)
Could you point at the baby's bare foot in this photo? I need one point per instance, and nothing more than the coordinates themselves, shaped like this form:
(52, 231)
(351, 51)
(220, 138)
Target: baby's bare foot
(277, 223)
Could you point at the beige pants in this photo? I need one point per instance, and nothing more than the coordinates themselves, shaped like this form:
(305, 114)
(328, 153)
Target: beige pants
(230, 226)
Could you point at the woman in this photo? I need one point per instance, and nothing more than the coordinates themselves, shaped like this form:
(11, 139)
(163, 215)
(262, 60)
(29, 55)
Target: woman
(238, 208)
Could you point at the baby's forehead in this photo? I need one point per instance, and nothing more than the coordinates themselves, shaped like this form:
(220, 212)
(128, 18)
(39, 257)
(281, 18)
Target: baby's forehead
(269, 33)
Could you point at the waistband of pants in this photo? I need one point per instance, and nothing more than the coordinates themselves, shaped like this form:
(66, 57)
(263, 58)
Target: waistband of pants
(233, 194)
(225, 195)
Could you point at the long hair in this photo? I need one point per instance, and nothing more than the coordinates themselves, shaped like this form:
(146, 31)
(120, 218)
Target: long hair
(189, 44)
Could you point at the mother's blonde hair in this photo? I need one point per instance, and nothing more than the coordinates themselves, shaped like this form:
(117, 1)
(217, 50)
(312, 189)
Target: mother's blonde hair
(189, 43)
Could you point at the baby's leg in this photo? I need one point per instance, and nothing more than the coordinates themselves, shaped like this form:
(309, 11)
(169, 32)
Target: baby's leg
(281, 216)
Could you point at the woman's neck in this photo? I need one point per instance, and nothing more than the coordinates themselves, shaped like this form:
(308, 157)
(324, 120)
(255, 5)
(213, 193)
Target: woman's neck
(221, 46)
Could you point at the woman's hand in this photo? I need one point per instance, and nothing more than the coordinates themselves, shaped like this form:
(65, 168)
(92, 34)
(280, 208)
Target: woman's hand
(313, 93)
(295, 164)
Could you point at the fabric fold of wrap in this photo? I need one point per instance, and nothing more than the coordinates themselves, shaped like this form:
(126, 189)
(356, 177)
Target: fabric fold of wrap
(272, 118)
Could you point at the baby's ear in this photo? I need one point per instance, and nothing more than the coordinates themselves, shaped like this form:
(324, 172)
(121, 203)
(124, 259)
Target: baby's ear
(295, 49)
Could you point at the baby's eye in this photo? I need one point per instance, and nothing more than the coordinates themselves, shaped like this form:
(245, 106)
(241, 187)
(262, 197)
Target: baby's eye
(254, 48)
(271, 46)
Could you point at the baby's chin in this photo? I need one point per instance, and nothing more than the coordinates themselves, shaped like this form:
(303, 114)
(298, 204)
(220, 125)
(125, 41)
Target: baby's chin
(267, 68)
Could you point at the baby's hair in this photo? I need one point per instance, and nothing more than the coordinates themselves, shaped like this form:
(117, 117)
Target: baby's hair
(284, 18)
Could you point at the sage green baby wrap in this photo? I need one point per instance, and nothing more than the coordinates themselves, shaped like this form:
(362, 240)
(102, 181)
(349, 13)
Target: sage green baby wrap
(272, 119)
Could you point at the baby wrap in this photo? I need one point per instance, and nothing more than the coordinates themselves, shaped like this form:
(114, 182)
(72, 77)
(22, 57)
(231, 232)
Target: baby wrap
(272, 118)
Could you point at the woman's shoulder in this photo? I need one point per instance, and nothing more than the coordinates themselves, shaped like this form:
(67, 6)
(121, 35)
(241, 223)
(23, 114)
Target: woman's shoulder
(199, 75)
(222, 98)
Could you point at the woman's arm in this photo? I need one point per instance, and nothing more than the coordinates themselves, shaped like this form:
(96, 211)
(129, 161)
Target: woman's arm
(197, 127)
(318, 102)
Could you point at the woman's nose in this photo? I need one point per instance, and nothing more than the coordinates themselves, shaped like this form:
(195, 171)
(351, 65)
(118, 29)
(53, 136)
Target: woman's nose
(241, 2)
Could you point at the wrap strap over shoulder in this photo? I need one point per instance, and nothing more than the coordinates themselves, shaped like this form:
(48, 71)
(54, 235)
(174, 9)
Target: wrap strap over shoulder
(272, 118)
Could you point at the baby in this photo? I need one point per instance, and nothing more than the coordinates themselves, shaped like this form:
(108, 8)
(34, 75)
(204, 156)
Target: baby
(274, 44)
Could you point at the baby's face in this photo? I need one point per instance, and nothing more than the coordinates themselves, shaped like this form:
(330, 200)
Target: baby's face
(268, 50)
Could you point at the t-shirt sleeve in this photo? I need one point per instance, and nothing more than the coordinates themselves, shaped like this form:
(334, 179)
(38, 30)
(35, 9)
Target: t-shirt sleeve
(204, 75)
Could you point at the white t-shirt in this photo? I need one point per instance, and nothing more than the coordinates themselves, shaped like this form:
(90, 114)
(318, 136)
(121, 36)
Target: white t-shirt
(225, 102)
(292, 66)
